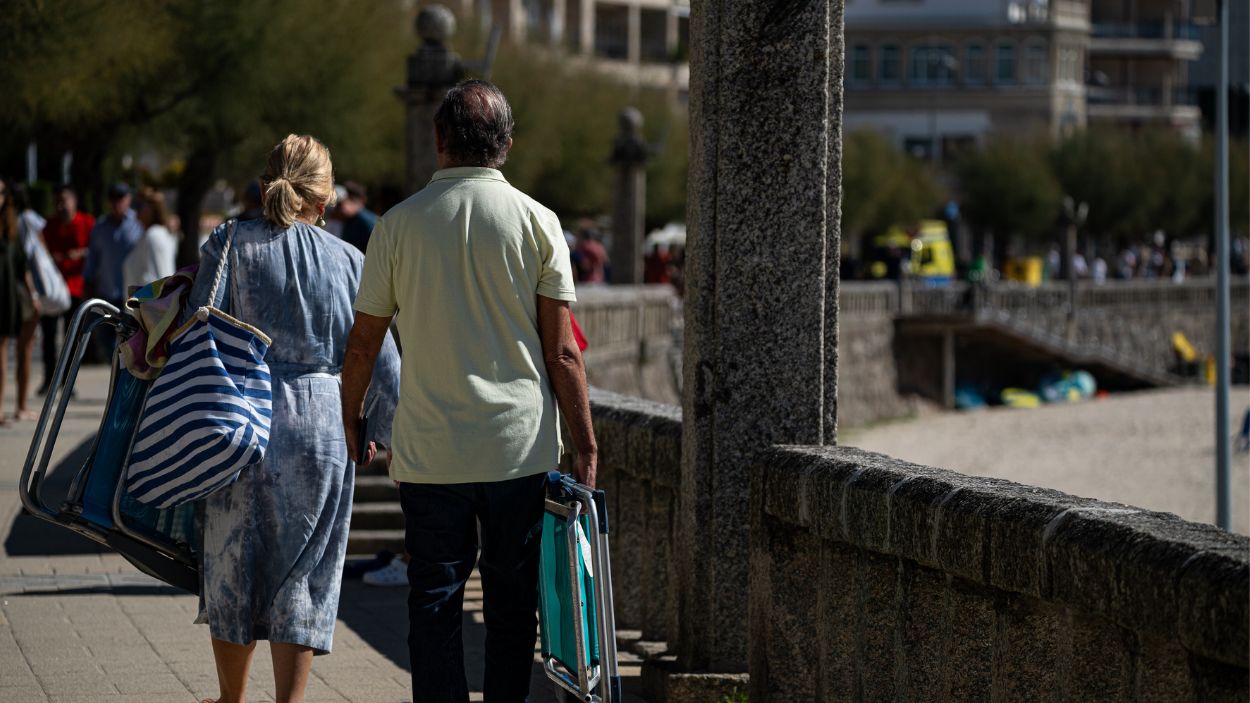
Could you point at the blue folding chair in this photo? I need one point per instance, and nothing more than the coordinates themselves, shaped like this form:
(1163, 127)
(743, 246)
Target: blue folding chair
(576, 619)
(160, 543)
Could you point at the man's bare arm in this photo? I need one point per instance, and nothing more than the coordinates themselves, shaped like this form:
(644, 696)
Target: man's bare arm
(363, 346)
(568, 380)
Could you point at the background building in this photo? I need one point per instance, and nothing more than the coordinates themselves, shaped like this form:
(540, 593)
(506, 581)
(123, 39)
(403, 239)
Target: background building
(938, 75)
(1204, 73)
(643, 42)
(1139, 57)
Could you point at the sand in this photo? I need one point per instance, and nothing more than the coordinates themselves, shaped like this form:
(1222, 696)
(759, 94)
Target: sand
(1151, 449)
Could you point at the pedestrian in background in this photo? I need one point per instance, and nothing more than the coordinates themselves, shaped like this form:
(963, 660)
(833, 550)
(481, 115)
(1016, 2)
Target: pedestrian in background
(592, 257)
(66, 236)
(358, 220)
(112, 239)
(479, 278)
(30, 225)
(19, 308)
(154, 254)
(275, 539)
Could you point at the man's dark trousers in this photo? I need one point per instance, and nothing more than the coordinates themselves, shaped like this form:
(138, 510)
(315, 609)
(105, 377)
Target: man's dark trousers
(441, 535)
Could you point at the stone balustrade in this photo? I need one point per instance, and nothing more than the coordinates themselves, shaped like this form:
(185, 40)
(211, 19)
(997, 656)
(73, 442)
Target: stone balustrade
(631, 334)
(640, 470)
(876, 579)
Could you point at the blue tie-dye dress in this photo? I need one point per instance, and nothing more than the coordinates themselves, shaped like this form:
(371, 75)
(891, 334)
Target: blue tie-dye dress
(274, 541)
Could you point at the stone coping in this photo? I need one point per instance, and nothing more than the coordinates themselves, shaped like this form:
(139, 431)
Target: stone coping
(638, 437)
(621, 295)
(1146, 571)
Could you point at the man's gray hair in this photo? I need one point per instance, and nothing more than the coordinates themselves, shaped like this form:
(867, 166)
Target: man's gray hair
(475, 123)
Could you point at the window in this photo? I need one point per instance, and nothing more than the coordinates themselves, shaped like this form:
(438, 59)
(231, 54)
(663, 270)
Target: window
(654, 40)
(861, 63)
(1035, 64)
(1005, 63)
(611, 31)
(975, 69)
(891, 68)
(932, 65)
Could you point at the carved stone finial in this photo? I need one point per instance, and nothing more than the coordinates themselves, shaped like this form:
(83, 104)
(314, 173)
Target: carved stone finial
(435, 24)
(629, 147)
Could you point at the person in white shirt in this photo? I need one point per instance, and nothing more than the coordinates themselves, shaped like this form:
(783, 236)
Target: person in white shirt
(154, 254)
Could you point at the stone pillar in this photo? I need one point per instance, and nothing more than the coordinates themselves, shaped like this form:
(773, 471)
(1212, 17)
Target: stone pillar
(587, 34)
(760, 362)
(634, 52)
(629, 199)
(431, 71)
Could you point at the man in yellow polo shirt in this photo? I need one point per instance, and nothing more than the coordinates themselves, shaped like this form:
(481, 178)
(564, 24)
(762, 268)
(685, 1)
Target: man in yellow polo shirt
(477, 277)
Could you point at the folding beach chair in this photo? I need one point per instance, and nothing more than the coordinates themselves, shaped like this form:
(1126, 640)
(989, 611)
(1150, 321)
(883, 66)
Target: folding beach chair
(576, 619)
(159, 542)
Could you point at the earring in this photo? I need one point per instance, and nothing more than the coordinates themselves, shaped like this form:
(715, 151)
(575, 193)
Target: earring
(321, 221)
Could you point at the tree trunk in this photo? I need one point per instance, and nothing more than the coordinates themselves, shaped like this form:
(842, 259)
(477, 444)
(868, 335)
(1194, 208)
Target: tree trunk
(195, 183)
(85, 173)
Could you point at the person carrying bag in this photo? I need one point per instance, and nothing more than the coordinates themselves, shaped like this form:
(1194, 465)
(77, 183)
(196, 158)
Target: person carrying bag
(208, 413)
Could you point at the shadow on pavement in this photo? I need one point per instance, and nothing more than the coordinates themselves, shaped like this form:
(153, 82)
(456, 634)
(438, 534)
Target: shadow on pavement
(103, 590)
(379, 616)
(30, 536)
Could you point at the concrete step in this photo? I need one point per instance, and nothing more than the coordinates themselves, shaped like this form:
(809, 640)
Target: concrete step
(375, 489)
(377, 516)
(375, 468)
(370, 541)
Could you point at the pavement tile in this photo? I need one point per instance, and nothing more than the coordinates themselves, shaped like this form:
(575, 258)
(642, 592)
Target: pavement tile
(149, 683)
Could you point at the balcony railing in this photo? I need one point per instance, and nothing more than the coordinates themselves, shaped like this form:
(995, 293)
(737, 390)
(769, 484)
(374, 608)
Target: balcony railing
(1150, 96)
(1144, 30)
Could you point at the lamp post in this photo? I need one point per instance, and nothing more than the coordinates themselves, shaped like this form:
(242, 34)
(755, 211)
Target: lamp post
(1074, 214)
(1223, 504)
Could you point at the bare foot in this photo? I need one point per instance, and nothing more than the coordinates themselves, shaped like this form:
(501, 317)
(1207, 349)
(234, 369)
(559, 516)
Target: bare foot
(23, 415)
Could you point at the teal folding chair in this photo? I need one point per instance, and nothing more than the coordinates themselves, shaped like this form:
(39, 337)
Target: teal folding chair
(160, 543)
(576, 621)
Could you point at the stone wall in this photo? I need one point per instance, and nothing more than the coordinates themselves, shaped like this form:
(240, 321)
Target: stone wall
(631, 330)
(875, 579)
(640, 470)
(635, 334)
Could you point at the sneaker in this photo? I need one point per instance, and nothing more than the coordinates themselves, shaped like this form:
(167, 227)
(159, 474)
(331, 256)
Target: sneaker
(393, 574)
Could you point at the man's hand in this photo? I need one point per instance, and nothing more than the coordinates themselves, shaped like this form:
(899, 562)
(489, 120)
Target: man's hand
(585, 468)
(351, 432)
(363, 345)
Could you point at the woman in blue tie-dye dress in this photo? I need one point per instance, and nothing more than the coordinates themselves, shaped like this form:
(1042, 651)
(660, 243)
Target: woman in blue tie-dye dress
(274, 541)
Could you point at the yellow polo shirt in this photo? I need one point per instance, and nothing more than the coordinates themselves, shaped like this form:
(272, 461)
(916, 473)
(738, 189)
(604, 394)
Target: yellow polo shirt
(461, 264)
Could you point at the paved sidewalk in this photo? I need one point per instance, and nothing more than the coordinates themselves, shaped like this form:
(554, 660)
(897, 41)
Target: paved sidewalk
(78, 623)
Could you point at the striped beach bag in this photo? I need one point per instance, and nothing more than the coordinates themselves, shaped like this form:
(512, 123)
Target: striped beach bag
(207, 414)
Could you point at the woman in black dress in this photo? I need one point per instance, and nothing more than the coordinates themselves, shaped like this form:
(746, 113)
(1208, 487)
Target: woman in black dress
(17, 293)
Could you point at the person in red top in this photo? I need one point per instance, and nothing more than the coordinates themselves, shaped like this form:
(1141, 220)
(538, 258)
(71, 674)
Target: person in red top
(592, 257)
(66, 237)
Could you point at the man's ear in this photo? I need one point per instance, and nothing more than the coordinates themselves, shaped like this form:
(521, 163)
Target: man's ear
(508, 147)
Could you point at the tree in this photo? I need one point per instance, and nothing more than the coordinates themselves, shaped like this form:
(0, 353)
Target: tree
(882, 186)
(1008, 189)
(566, 120)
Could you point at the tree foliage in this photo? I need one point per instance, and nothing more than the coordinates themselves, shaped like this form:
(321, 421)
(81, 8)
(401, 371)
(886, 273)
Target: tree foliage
(566, 120)
(1009, 189)
(213, 85)
(882, 186)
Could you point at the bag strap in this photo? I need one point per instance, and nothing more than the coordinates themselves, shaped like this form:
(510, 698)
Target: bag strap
(221, 263)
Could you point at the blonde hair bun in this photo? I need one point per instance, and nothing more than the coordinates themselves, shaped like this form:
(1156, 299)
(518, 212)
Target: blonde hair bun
(298, 177)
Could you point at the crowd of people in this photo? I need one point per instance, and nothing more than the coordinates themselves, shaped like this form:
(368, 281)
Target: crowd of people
(101, 257)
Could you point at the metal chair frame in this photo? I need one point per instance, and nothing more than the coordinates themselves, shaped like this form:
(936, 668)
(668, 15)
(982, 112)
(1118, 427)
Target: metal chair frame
(151, 552)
